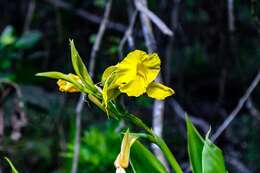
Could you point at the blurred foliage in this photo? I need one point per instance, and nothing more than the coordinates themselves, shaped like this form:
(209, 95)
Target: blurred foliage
(98, 149)
(11, 48)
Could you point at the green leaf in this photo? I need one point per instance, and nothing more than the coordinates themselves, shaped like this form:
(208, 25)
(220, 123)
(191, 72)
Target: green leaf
(79, 67)
(144, 161)
(28, 40)
(195, 146)
(59, 75)
(212, 158)
(11, 165)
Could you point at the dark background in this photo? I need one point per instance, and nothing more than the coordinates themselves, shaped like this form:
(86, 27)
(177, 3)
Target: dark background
(209, 64)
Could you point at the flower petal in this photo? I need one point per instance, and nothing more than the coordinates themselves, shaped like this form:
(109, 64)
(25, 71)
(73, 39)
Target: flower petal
(135, 88)
(159, 91)
(127, 69)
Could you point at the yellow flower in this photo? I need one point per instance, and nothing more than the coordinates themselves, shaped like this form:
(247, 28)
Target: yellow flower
(135, 75)
(65, 86)
(122, 160)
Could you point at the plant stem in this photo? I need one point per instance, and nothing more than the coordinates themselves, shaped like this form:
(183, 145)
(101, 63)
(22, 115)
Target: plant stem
(152, 136)
(157, 140)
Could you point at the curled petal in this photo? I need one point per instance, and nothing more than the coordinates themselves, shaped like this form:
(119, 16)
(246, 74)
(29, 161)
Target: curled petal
(122, 159)
(159, 91)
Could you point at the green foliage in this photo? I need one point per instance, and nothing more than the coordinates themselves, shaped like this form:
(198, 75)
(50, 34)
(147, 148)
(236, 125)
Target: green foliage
(98, 151)
(144, 161)
(205, 157)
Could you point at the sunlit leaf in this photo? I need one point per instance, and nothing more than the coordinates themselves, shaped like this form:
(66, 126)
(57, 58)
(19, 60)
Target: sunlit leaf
(79, 67)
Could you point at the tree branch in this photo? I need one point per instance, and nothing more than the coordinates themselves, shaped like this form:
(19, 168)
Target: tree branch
(128, 35)
(180, 112)
(239, 106)
(86, 15)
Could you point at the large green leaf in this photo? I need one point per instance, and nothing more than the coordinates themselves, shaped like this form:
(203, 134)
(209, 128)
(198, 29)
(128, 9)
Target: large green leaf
(212, 158)
(195, 147)
(144, 161)
(79, 67)
(11, 165)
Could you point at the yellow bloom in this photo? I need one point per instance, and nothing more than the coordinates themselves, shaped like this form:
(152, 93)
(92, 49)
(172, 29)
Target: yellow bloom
(122, 160)
(136, 72)
(134, 76)
(65, 86)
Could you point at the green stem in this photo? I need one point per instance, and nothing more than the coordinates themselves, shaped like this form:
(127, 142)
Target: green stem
(152, 137)
(157, 140)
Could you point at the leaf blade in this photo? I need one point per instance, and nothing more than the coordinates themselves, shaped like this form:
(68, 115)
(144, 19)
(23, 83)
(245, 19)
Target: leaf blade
(212, 158)
(195, 146)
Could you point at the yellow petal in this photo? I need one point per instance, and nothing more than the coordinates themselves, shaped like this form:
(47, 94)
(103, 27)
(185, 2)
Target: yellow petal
(159, 91)
(127, 69)
(135, 88)
(65, 86)
(122, 160)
